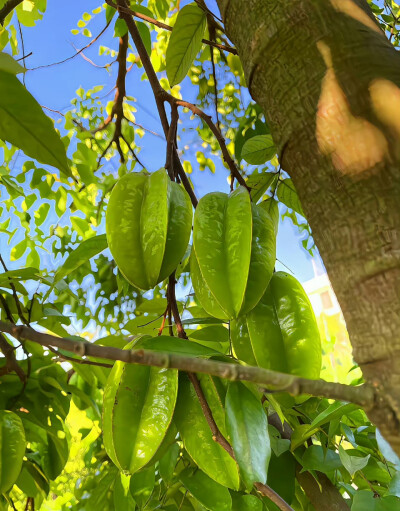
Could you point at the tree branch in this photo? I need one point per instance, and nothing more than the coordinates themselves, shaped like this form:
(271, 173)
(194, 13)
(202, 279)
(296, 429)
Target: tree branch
(164, 26)
(7, 8)
(158, 93)
(363, 395)
(161, 96)
(216, 433)
(6, 309)
(11, 361)
(117, 109)
(74, 55)
(216, 132)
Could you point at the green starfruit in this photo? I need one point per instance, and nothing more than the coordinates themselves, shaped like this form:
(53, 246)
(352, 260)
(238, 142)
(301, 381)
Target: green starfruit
(12, 448)
(281, 332)
(148, 226)
(139, 403)
(233, 254)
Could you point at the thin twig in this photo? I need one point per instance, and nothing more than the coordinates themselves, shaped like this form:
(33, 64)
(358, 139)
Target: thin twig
(11, 362)
(174, 307)
(6, 309)
(117, 110)
(75, 54)
(216, 433)
(267, 491)
(159, 24)
(218, 135)
(161, 329)
(23, 50)
(171, 144)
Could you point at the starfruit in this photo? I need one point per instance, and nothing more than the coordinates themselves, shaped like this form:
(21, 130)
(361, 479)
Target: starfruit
(12, 448)
(281, 332)
(233, 254)
(148, 226)
(139, 403)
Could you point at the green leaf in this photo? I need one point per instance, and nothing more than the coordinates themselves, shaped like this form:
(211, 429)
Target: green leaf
(136, 398)
(365, 500)
(86, 250)
(195, 432)
(22, 274)
(247, 426)
(147, 325)
(23, 124)
(352, 463)
(12, 448)
(203, 321)
(145, 35)
(386, 449)
(346, 430)
(155, 305)
(394, 487)
(31, 481)
(210, 494)
(120, 28)
(110, 12)
(271, 207)
(41, 213)
(215, 333)
(317, 458)
(260, 182)
(185, 42)
(141, 485)
(122, 495)
(282, 475)
(287, 194)
(246, 503)
(334, 411)
(258, 149)
(19, 250)
(167, 344)
(167, 463)
(8, 64)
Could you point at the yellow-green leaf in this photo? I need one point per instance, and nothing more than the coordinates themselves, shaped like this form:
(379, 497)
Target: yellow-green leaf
(185, 42)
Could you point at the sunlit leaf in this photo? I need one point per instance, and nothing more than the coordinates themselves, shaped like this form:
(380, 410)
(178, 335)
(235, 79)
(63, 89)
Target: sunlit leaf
(23, 123)
(185, 42)
(81, 254)
(258, 150)
(287, 194)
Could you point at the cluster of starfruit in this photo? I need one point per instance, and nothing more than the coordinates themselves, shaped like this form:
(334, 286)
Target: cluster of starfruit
(149, 223)
(232, 261)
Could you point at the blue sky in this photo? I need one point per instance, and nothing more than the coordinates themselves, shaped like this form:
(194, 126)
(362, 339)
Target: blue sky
(54, 87)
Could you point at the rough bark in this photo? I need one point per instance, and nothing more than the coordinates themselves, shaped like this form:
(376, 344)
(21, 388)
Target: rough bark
(328, 81)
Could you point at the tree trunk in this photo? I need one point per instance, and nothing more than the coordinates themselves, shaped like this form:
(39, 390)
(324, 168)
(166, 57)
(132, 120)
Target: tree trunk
(328, 81)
